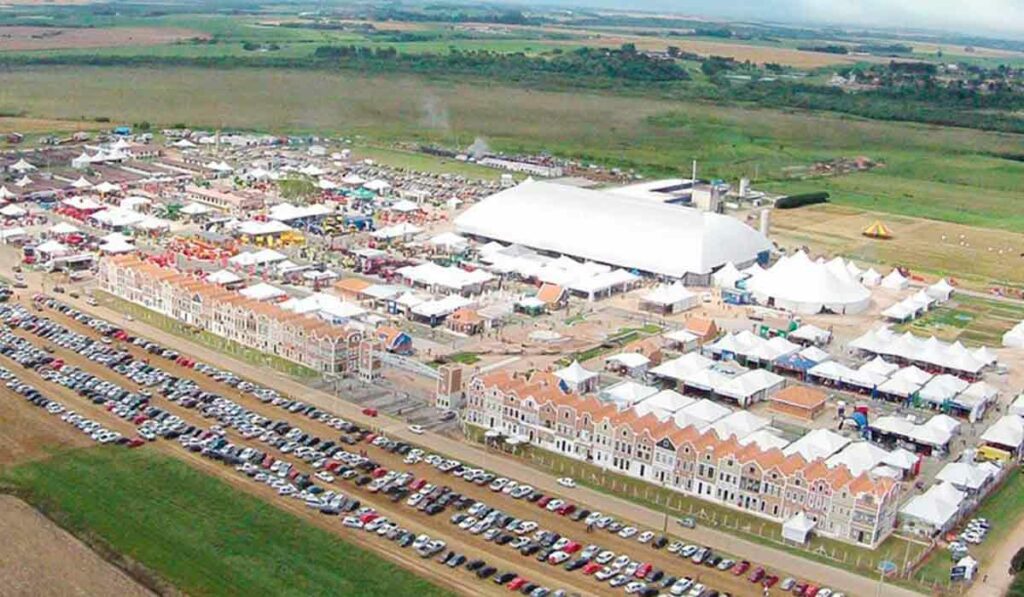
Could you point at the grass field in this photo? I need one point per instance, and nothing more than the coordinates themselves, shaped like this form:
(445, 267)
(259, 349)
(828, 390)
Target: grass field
(1004, 512)
(972, 320)
(949, 171)
(204, 338)
(197, 532)
(976, 258)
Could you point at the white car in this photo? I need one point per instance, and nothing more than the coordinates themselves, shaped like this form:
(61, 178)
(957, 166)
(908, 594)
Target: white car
(627, 532)
(645, 537)
(635, 587)
(557, 558)
(604, 574)
(555, 504)
(604, 557)
(352, 522)
(567, 482)
(417, 429)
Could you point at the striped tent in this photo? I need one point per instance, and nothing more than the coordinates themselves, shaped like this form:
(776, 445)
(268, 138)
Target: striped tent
(877, 230)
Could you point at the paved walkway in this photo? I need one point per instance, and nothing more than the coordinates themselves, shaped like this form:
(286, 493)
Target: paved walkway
(837, 578)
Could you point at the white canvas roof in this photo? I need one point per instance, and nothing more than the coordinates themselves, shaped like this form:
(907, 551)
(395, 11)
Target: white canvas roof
(894, 280)
(326, 306)
(669, 294)
(1015, 337)
(965, 475)
(859, 457)
(940, 290)
(442, 307)
(262, 292)
(628, 393)
(811, 333)
(798, 284)
(12, 211)
(879, 366)
(397, 231)
(195, 209)
(680, 336)
(907, 346)
(942, 387)
(668, 401)
(451, 277)
(727, 276)
(575, 374)
(819, 443)
(740, 423)
(1007, 431)
(258, 228)
(744, 386)
(630, 360)
(765, 439)
(449, 240)
(937, 506)
(705, 410)
(680, 367)
(797, 528)
(662, 239)
(64, 228)
(223, 277)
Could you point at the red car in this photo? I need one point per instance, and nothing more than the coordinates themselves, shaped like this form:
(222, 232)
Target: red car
(573, 547)
(369, 517)
(516, 584)
(741, 568)
(643, 570)
(370, 412)
(769, 581)
(566, 509)
(135, 442)
(379, 472)
(417, 484)
(543, 502)
(591, 568)
(811, 591)
(756, 575)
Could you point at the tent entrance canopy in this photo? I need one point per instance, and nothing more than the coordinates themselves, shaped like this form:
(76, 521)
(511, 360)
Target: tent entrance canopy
(797, 528)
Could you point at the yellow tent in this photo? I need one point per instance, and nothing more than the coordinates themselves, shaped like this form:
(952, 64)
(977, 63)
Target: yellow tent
(877, 230)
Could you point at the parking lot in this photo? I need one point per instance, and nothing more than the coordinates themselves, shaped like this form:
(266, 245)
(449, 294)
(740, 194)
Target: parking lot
(659, 560)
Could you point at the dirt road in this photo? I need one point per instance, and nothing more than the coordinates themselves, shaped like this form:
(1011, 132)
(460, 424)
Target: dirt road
(60, 563)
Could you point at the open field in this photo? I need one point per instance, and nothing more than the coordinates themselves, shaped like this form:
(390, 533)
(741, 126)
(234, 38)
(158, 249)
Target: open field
(42, 38)
(200, 533)
(59, 565)
(972, 320)
(658, 136)
(926, 246)
(14, 124)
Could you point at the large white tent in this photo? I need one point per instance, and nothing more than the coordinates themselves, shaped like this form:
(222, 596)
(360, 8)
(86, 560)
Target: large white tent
(954, 357)
(663, 239)
(934, 510)
(796, 283)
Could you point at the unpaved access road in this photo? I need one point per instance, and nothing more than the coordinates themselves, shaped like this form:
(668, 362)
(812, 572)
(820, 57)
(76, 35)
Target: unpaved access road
(59, 563)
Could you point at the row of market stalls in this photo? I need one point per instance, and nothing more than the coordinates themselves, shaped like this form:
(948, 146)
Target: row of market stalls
(586, 279)
(931, 353)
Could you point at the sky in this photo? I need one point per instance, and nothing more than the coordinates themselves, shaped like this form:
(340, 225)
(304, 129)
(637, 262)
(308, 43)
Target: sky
(974, 17)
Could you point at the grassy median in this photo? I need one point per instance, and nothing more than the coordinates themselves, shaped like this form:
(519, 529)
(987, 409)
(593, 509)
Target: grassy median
(199, 533)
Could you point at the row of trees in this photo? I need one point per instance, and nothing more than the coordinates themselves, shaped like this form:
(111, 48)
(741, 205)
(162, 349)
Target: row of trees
(622, 64)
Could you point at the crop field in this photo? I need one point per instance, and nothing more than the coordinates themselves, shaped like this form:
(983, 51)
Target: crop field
(972, 320)
(198, 532)
(42, 38)
(977, 258)
(82, 572)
